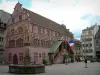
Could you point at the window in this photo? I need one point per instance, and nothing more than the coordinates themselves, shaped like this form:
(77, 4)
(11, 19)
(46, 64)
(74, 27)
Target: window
(19, 42)
(10, 57)
(35, 42)
(90, 51)
(39, 30)
(21, 56)
(1, 38)
(43, 31)
(90, 39)
(83, 51)
(47, 44)
(83, 45)
(86, 45)
(39, 54)
(2, 25)
(90, 32)
(86, 51)
(28, 38)
(53, 34)
(11, 43)
(1, 46)
(35, 29)
(43, 55)
(90, 45)
(20, 17)
(38, 42)
(42, 42)
(56, 35)
(79, 48)
(96, 41)
(48, 32)
(36, 57)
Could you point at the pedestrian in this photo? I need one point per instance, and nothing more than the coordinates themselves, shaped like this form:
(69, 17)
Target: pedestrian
(66, 61)
(86, 63)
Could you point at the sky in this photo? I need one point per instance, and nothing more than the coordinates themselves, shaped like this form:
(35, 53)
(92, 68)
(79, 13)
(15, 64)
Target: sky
(75, 14)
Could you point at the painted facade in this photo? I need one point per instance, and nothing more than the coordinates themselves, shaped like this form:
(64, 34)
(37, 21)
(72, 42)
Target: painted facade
(30, 31)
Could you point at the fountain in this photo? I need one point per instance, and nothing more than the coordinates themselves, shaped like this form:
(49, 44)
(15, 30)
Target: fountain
(26, 68)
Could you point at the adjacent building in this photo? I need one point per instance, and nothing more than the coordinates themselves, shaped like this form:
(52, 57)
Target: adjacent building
(87, 38)
(97, 44)
(29, 32)
(77, 49)
(4, 16)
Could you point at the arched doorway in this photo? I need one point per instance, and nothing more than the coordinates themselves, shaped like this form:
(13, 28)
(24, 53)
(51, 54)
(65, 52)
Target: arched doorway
(15, 59)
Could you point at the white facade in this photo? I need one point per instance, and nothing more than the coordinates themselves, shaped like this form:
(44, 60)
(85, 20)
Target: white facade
(87, 39)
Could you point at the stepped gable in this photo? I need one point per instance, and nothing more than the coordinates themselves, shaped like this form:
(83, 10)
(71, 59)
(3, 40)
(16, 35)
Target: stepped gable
(44, 22)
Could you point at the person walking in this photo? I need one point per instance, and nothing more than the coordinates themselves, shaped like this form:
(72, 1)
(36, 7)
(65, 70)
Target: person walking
(86, 63)
(66, 61)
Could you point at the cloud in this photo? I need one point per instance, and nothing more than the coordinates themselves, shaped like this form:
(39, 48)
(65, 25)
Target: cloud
(86, 16)
(75, 14)
(65, 13)
(8, 6)
(94, 19)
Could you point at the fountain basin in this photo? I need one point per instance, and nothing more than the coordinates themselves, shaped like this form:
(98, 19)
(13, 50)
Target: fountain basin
(26, 69)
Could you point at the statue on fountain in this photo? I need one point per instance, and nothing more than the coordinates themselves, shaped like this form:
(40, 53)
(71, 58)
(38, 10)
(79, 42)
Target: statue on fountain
(27, 58)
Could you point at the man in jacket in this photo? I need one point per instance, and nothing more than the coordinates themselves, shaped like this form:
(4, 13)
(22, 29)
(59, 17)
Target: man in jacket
(86, 63)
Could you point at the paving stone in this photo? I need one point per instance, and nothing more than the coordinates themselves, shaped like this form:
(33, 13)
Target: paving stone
(76, 68)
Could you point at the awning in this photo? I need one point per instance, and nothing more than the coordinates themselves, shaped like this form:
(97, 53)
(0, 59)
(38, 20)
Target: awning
(55, 46)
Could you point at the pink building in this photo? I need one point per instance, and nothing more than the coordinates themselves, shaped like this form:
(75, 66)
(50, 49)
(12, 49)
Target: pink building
(30, 31)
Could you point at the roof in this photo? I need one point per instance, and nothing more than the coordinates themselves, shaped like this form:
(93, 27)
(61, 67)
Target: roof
(44, 22)
(4, 16)
(90, 28)
(55, 46)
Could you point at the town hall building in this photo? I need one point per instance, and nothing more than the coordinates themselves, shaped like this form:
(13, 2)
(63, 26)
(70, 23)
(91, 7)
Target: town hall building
(29, 32)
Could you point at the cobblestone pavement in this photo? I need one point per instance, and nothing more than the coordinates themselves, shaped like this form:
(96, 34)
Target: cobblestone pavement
(62, 69)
